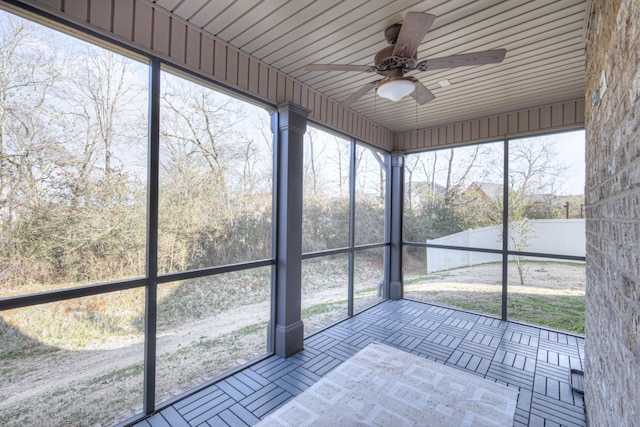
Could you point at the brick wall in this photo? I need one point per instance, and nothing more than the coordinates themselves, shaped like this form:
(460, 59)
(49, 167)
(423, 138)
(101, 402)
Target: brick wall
(612, 368)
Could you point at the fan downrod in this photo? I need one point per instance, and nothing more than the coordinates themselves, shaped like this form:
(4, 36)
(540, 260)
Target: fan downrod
(391, 33)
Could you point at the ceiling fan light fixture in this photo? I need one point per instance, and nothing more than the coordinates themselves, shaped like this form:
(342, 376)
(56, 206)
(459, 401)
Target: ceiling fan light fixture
(401, 57)
(394, 89)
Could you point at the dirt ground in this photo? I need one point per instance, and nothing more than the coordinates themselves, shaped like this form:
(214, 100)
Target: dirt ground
(539, 277)
(41, 389)
(100, 373)
(544, 275)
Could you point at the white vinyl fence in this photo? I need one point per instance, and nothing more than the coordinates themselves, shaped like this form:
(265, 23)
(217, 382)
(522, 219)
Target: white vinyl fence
(548, 236)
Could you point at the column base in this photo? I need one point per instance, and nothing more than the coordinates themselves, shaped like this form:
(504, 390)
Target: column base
(395, 290)
(289, 339)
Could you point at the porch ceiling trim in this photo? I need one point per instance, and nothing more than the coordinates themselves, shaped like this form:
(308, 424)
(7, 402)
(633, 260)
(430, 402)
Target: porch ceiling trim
(531, 121)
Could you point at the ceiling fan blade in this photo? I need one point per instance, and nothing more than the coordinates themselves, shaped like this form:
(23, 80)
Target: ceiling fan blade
(422, 95)
(359, 93)
(475, 58)
(414, 28)
(339, 67)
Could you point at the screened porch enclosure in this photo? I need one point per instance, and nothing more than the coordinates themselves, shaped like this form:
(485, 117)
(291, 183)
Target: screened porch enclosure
(168, 235)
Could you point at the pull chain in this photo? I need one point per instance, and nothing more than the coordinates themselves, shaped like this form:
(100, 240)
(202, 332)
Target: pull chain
(375, 103)
(416, 116)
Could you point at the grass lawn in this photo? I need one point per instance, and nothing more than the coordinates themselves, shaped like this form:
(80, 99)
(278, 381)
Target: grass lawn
(552, 296)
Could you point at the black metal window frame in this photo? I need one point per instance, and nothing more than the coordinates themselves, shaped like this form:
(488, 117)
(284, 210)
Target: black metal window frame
(352, 248)
(152, 279)
(505, 251)
(156, 65)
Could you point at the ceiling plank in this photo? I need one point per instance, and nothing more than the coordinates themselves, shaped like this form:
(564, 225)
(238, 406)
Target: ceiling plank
(228, 17)
(167, 4)
(261, 12)
(190, 8)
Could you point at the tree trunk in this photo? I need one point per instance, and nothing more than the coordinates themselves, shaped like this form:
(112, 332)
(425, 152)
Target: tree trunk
(449, 169)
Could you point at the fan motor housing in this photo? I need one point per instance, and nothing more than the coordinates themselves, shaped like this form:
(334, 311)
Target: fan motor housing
(385, 60)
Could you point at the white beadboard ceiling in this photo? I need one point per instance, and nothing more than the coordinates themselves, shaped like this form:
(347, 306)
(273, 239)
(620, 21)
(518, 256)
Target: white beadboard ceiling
(545, 61)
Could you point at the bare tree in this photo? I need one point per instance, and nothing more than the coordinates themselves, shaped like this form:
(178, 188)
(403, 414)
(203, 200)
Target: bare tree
(340, 156)
(60, 219)
(533, 165)
(533, 175)
(101, 96)
(458, 172)
(205, 124)
(411, 164)
(24, 84)
(107, 85)
(312, 159)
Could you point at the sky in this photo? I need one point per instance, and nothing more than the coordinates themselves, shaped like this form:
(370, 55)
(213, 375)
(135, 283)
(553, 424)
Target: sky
(568, 156)
(571, 149)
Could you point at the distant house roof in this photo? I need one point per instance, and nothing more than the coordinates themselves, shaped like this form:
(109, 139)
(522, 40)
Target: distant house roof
(422, 190)
(422, 186)
(488, 189)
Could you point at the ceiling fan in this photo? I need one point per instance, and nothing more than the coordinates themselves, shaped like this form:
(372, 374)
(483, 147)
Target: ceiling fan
(395, 60)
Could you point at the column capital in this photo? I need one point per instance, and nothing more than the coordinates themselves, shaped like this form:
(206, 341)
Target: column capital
(293, 117)
(295, 108)
(397, 159)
